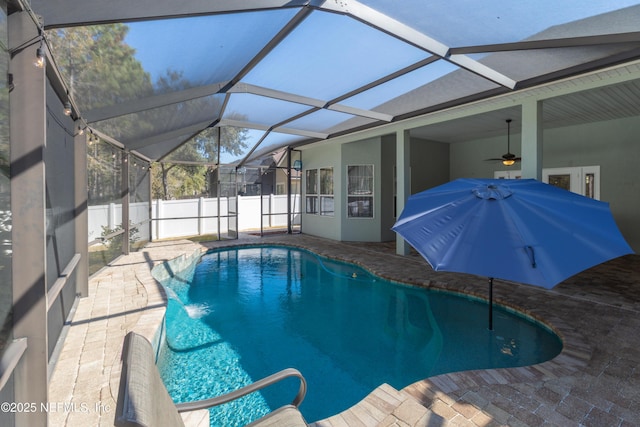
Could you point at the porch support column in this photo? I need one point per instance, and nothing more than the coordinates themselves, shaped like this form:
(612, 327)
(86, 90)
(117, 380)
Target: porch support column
(403, 181)
(532, 139)
(81, 216)
(27, 101)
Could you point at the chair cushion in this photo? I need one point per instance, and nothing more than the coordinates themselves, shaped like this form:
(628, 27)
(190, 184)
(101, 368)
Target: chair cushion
(143, 400)
(286, 416)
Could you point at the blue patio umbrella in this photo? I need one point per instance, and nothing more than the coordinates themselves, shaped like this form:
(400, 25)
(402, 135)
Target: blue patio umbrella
(518, 230)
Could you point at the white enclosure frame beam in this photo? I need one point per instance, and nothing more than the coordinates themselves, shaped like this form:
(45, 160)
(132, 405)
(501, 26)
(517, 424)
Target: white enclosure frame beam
(403, 32)
(304, 100)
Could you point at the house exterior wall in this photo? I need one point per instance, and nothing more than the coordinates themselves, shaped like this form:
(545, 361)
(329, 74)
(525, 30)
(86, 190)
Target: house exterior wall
(429, 167)
(323, 225)
(609, 144)
(429, 164)
(366, 152)
(613, 145)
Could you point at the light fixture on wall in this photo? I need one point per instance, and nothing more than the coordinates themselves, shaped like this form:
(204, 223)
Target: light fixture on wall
(40, 57)
(297, 165)
(67, 108)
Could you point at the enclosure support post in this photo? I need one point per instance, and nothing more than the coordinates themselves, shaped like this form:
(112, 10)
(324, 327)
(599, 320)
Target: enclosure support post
(81, 214)
(289, 222)
(27, 120)
(201, 215)
(125, 202)
(150, 208)
(218, 184)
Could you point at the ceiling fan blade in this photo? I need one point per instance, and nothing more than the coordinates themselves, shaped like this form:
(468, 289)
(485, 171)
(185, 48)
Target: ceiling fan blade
(500, 159)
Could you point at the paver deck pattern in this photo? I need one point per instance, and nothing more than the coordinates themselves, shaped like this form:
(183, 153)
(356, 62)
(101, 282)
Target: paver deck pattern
(594, 381)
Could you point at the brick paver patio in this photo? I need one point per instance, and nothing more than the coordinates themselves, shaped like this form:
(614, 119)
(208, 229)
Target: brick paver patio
(595, 381)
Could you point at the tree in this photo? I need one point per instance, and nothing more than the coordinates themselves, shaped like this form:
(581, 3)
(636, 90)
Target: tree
(103, 173)
(99, 67)
(101, 70)
(173, 180)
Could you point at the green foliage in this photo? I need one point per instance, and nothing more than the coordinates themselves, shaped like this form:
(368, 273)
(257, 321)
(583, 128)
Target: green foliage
(99, 67)
(176, 181)
(103, 173)
(101, 70)
(113, 244)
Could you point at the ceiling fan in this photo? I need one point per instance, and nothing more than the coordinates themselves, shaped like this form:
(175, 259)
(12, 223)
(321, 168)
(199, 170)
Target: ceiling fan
(508, 159)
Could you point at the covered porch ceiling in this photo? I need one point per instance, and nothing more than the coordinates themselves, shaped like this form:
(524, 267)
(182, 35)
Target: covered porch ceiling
(610, 102)
(291, 72)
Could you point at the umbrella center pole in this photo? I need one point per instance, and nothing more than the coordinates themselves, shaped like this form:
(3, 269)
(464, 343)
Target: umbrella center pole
(491, 303)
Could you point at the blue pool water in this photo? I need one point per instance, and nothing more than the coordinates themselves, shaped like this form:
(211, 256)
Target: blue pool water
(242, 314)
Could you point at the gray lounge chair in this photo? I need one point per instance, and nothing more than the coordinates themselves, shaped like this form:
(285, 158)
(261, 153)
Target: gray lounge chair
(143, 400)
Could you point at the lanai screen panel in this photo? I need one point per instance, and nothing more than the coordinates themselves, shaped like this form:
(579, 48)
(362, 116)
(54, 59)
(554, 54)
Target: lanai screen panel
(329, 55)
(167, 146)
(467, 23)
(204, 49)
(235, 148)
(235, 144)
(526, 65)
(139, 129)
(315, 69)
(261, 110)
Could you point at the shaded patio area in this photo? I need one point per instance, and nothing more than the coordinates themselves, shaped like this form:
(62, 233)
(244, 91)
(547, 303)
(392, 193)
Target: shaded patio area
(594, 381)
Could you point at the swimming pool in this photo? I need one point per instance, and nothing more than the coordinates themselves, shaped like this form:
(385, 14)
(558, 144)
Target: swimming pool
(243, 313)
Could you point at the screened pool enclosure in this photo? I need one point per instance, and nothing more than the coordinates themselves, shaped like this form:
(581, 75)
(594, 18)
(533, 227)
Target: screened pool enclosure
(111, 110)
(239, 85)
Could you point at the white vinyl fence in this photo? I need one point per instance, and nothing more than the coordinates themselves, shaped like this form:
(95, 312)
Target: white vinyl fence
(191, 217)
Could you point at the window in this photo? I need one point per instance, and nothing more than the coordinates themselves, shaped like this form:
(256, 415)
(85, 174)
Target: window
(319, 202)
(326, 191)
(312, 191)
(583, 180)
(360, 191)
